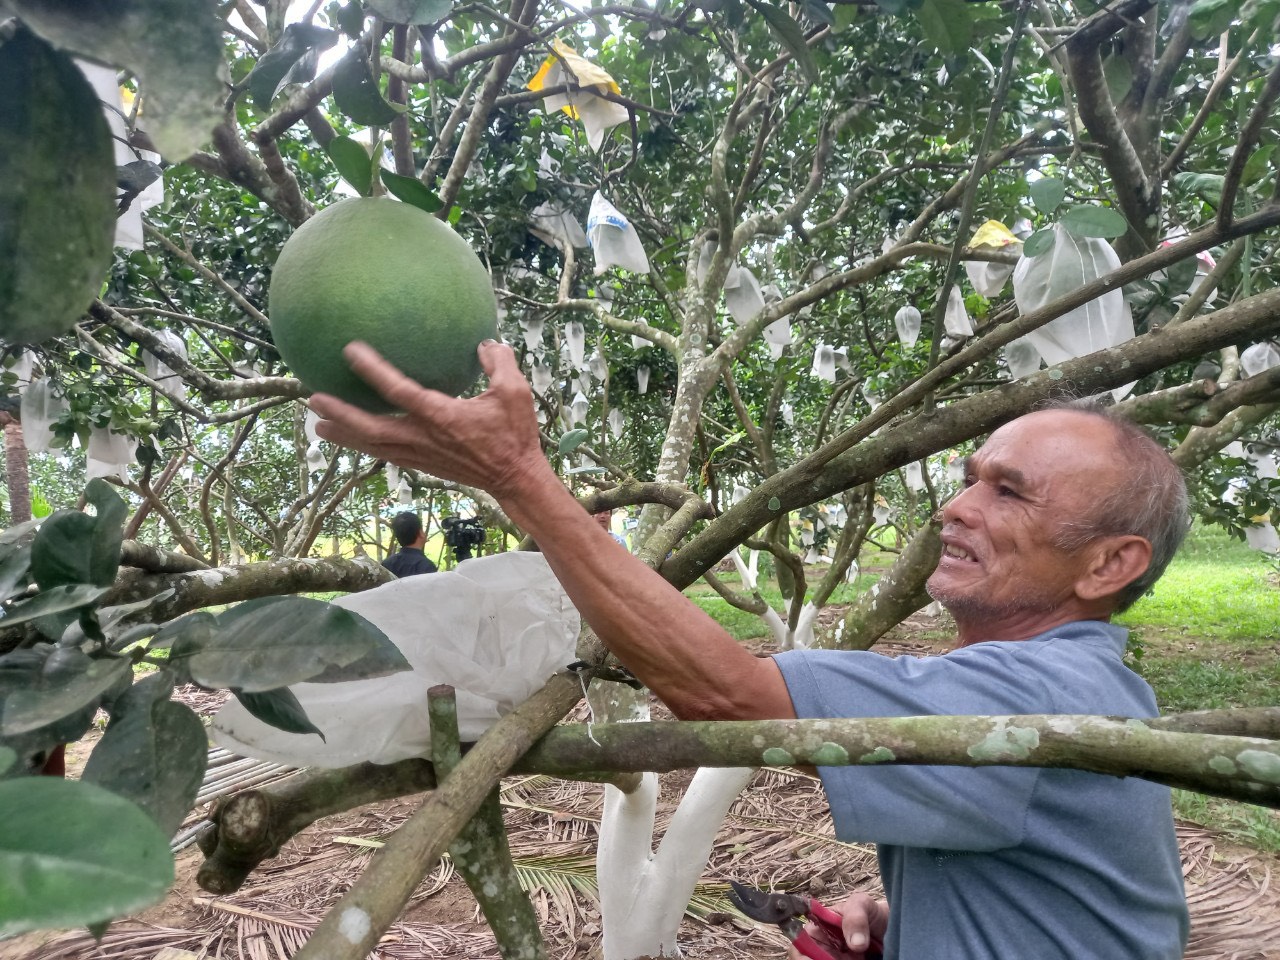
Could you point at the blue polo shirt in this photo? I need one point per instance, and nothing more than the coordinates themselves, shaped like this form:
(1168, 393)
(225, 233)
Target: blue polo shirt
(994, 863)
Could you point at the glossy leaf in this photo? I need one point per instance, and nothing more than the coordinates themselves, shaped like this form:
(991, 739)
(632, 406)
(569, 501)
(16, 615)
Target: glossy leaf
(72, 853)
(1038, 242)
(278, 641)
(108, 532)
(154, 753)
(276, 67)
(572, 440)
(411, 12)
(1258, 165)
(26, 710)
(61, 551)
(790, 35)
(357, 95)
(1047, 193)
(13, 570)
(353, 163)
(1206, 186)
(949, 24)
(410, 190)
(279, 708)
(57, 600)
(183, 74)
(1101, 223)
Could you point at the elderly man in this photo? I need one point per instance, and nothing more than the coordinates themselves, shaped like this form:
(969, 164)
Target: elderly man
(1066, 517)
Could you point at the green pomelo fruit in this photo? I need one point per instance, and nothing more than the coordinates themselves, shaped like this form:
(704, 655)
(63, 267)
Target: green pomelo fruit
(389, 274)
(57, 191)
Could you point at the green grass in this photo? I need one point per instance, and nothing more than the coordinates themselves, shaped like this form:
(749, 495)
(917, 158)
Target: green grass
(1217, 588)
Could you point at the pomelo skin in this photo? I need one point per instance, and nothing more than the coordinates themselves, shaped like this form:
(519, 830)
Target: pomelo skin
(389, 274)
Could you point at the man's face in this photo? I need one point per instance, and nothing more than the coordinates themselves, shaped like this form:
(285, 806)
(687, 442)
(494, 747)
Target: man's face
(1001, 575)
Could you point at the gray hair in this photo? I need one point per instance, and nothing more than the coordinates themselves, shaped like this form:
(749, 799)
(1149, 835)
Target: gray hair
(1152, 503)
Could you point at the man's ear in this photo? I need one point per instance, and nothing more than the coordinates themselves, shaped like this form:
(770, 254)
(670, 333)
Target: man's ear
(1116, 563)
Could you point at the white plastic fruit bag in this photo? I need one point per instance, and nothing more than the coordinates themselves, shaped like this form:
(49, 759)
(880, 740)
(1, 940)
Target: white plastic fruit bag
(613, 239)
(743, 297)
(41, 409)
(495, 629)
(907, 320)
(1022, 357)
(1071, 263)
(989, 278)
(109, 454)
(956, 319)
(161, 372)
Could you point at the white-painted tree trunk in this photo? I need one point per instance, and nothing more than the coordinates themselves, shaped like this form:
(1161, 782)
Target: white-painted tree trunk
(643, 892)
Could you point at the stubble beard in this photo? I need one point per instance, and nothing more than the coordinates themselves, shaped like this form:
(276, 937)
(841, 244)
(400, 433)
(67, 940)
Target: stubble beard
(975, 609)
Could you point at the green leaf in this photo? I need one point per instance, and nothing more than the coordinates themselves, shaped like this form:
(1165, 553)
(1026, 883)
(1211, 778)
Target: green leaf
(1087, 220)
(1258, 165)
(71, 596)
(55, 154)
(174, 46)
(1119, 77)
(572, 440)
(1038, 242)
(1047, 193)
(898, 8)
(61, 550)
(279, 708)
(73, 854)
(1206, 186)
(357, 95)
(279, 641)
(411, 191)
(277, 67)
(154, 753)
(13, 570)
(350, 18)
(353, 162)
(31, 709)
(790, 35)
(846, 14)
(14, 534)
(411, 12)
(108, 533)
(948, 24)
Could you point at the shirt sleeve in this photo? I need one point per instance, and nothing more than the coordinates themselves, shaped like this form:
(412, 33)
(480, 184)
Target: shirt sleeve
(945, 807)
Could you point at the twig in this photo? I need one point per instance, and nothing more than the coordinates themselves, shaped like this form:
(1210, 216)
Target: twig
(1244, 147)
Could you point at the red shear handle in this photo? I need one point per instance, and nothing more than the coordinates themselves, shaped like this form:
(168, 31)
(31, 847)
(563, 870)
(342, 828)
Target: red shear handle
(809, 947)
(833, 925)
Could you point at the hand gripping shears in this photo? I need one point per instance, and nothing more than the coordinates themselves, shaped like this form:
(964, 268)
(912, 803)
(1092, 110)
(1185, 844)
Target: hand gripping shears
(789, 911)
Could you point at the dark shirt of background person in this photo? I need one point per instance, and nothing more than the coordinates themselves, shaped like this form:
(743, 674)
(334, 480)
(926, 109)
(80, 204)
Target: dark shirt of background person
(409, 560)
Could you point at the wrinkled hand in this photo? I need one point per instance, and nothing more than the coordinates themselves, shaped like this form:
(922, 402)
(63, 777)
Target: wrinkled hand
(488, 441)
(862, 918)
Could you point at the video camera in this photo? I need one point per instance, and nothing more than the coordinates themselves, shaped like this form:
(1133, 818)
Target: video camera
(462, 535)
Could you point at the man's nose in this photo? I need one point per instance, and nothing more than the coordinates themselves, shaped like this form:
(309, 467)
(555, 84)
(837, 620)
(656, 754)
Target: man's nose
(961, 508)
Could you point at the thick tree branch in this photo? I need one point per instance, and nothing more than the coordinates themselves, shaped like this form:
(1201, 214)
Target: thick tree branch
(204, 588)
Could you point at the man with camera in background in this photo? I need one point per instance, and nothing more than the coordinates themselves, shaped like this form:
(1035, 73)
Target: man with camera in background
(409, 560)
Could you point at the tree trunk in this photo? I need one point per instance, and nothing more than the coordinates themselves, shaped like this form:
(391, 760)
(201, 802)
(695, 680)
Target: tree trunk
(16, 474)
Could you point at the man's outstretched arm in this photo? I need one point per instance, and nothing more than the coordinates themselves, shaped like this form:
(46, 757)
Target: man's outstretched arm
(491, 441)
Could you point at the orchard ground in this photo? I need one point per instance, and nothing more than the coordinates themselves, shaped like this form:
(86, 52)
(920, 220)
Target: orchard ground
(1208, 637)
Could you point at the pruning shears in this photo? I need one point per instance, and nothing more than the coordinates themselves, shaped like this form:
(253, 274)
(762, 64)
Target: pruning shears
(789, 911)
